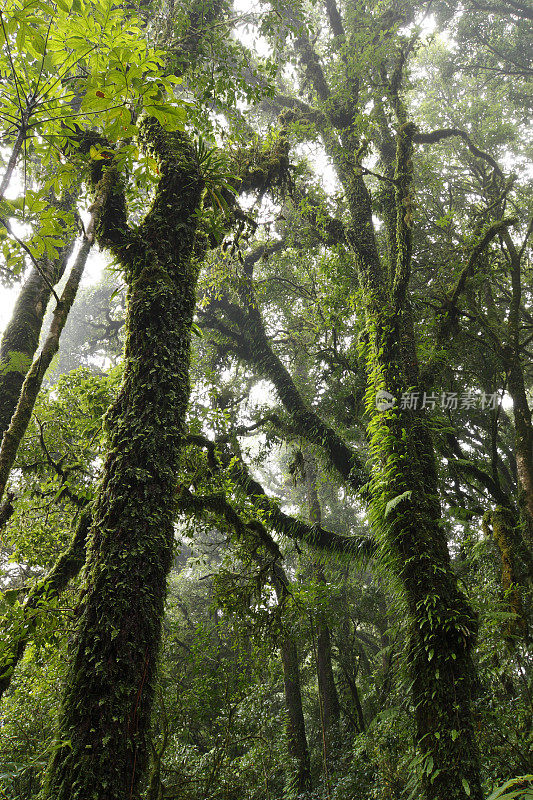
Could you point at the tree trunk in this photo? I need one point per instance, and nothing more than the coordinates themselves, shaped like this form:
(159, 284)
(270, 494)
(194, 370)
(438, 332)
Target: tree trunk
(523, 447)
(108, 697)
(405, 507)
(20, 339)
(515, 571)
(20, 342)
(512, 356)
(296, 736)
(32, 382)
(326, 682)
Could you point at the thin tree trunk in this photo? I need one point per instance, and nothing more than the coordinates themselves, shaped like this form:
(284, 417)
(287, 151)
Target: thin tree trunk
(34, 378)
(107, 702)
(20, 339)
(523, 448)
(296, 736)
(13, 158)
(515, 568)
(64, 570)
(326, 681)
(517, 390)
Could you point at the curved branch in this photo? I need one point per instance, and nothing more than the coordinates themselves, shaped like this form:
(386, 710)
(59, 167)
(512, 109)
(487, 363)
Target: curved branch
(446, 133)
(254, 347)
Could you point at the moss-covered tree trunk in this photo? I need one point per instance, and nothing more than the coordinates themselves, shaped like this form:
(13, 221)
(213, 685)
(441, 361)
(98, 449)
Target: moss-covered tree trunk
(513, 356)
(19, 344)
(108, 696)
(31, 385)
(296, 736)
(20, 339)
(515, 568)
(405, 504)
(406, 507)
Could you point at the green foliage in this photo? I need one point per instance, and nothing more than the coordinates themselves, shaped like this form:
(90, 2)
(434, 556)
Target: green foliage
(73, 67)
(515, 789)
(29, 717)
(282, 299)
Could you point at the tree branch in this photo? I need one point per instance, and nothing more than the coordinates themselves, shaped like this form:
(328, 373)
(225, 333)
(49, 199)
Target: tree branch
(446, 133)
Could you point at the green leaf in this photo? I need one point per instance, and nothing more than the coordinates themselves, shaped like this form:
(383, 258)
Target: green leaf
(17, 362)
(497, 793)
(391, 505)
(10, 596)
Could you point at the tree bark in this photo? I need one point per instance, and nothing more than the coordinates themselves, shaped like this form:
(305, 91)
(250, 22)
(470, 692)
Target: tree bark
(405, 506)
(326, 681)
(510, 353)
(27, 392)
(515, 569)
(107, 701)
(20, 339)
(296, 736)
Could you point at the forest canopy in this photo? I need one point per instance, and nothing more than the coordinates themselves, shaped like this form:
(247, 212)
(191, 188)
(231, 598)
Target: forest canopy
(266, 377)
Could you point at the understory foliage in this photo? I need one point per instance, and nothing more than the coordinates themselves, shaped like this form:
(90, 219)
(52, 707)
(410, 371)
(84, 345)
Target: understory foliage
(266, 471)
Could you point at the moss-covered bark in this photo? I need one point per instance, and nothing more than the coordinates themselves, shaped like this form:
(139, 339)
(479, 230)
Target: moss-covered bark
(515, 570)
(405, 507)
(413, 540)
(20, 342)
(107, 701)
(328, 696)
(296, 737)
(443, 627)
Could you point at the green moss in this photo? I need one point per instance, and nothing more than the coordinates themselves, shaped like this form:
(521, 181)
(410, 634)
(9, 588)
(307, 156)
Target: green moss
(505, 537)
(443, 626)
(108, 697)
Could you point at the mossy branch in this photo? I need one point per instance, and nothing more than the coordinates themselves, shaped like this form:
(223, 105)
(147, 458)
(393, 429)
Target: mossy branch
(250, 343)
(445, 133)
(110, 214)
(67, 566)
(218, 504)
(316, 536)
